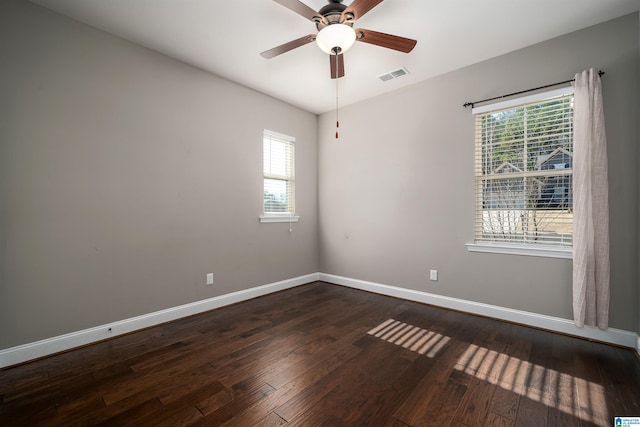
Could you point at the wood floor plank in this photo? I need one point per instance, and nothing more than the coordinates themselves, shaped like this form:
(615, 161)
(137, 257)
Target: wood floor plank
(84, 416)
(134, 415)
(419, 401)
(234, 368)
(209, 403)
(312, 394)
(295, 384)
(185, 416)
(305, 356)
(318, 363)
(444, 405)
(394, 422)
(156, 381)
(382, 405)
(50, 399)
(269, 420)
(531, 413)
(495, 420)
(504, 403)
(476, 402)
(243, 397)
(560, 418)
(348, 401)
(36, 415)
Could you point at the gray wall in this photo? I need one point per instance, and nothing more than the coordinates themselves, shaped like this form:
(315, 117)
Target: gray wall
(126, 176)
(396, 190)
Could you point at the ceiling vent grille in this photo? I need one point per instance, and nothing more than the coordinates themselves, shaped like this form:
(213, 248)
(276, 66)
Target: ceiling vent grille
(394, 74)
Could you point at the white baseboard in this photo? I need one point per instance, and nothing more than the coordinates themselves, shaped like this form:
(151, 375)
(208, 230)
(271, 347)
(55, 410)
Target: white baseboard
(556, 324)
(22, 353)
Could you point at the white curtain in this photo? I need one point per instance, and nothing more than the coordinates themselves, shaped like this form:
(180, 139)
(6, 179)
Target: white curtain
(591, 205)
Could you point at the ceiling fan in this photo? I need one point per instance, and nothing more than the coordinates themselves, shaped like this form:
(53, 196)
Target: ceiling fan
(336, 34)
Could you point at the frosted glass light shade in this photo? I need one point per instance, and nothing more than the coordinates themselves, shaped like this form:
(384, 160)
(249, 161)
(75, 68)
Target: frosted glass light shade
(336, 35)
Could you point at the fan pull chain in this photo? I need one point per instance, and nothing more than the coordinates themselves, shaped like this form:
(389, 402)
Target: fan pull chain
(337, 78)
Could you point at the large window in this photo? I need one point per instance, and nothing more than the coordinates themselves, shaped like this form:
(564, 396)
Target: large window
(523, 170)
(279, 176)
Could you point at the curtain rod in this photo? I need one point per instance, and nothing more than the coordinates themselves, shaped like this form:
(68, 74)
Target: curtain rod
(471, 104)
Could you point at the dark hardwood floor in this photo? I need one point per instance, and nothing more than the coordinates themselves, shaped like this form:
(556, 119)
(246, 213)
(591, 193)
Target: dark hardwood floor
(326, 355)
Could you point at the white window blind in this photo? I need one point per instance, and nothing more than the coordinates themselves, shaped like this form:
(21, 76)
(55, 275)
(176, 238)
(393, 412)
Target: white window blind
(523, 170)
(279, 174)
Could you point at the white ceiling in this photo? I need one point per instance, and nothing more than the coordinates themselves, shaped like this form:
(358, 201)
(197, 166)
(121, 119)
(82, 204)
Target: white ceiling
(226, 37)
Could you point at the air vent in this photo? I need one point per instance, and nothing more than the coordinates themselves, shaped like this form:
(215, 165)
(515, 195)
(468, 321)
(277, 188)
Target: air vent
(394, 74)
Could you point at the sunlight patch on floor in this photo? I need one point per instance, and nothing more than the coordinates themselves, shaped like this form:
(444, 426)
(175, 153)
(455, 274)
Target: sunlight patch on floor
(410, 337)
(575, 396)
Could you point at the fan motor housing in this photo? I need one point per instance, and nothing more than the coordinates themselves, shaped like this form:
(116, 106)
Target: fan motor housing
(332, 14)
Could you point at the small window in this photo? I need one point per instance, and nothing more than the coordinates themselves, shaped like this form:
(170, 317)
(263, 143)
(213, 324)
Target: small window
(523, 170)
(279, 177)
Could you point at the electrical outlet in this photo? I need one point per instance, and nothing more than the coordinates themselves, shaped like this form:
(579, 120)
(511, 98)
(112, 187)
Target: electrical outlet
(433, 275)
(209, 278)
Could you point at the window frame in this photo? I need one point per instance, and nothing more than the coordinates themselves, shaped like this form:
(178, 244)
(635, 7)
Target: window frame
(289, 216)
(501, 247)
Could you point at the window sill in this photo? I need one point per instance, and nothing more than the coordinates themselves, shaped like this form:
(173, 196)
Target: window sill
(515, 249)
(279, 218)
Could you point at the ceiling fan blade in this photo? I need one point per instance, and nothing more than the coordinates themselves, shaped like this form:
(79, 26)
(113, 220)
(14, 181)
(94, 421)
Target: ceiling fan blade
(360, 7)
(385, 40)
(340, 68)
(278, 50)
(299, 8)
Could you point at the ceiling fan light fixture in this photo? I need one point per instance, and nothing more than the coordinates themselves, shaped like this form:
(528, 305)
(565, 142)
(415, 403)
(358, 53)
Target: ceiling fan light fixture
(333, 36)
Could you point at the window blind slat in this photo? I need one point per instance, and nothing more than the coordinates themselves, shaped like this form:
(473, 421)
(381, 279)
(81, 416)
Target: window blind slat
(524, 167)
(279, 173)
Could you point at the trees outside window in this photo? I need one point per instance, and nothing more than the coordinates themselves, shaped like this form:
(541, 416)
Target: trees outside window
(524, 163)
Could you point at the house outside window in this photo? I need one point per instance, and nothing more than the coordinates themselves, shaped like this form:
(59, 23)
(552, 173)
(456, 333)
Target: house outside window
(523, 174)
(279, 177)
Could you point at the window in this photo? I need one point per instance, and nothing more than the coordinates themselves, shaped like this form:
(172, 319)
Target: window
(523, 172)
(279, 177)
